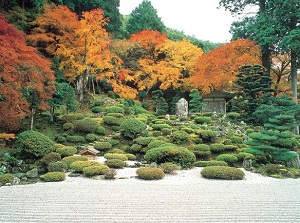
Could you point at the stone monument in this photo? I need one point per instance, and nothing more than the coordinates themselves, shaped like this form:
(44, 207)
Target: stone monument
(182, 108)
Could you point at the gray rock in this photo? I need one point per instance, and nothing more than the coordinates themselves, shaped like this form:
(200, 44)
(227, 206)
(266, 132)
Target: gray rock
(32, 173)
(182, 108)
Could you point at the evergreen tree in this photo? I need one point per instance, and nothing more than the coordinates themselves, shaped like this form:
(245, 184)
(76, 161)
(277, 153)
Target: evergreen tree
(160, 106)
(253, 87)
(195, 104)
(144, 17)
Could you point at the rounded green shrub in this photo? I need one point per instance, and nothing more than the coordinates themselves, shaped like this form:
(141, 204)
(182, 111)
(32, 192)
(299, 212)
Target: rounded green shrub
(166, 131)
(115, 163)
(118, 156)
(120, 151)
(97, 109)
(57, 166)
(201, 150)
(207, 135)
(236, 140)
(102, 146)
(171, 153)
(179, 137)
(68, 126)
(6, 178)
(94, 170)
(150, 173)
(100, 130)
(111, 120)
(156, 143)
(232, 115)
(70, 159)
(156, 133)
(242, 155)
(86, 126)
(144, 141)
(66, 151)
(33, 144)
(202, 120)
(72, 117)
(76, 139)
(51, 157)
(91, 137)
(113, 142)
(227, 142)
(228, 158)
(222, 172)
(132, 127)
(231, 147)
(130, 156)
(210, 163)
(217, 147)
(114, 109)
(54, 176)
(159, 127)
(78, 166)
(117, 115)
(187, 130)
(134, 148)
(169, 167)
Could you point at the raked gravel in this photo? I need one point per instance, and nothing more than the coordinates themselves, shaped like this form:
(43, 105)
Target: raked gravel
(184, 198)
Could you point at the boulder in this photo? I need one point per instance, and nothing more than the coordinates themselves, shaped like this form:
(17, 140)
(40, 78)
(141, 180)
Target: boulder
(32, 173)
(182, 108)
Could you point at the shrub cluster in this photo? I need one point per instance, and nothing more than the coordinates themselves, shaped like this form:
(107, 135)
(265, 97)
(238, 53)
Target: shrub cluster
(115, 163)
(150, 173)
(171, 153)
(169, 167)
(33, 144)
(114, 109)
(222, 172)
(57, 166)
(118, 156)
(86, 126)
(210, 163)
(228, 158)
(6, 178)
(68, 126)
(76, 139)
(54, 176)
(91, 137)
(78, 166)
(111, 120)
(132, 127)
(207, 135)
(217, 147)
(70, 159)
(144, 141)
(100, 130)
(179, 137)
(66, 151)
(51, 157)
(202, 120)
(102, 146)
(72, 117)
(99, 169)
(202, 150)
(159, 127)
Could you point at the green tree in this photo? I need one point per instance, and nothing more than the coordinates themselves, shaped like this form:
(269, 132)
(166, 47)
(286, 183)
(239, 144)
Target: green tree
(253, 87)
(160, 106)
(144, 17)
(195, 104)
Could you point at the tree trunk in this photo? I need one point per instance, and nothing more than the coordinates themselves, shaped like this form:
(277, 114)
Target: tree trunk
(32, 115)
(294, 81)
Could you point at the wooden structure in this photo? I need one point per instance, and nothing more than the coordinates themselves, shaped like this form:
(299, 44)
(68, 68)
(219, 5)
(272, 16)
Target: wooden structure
(216, 101)
(90, 152)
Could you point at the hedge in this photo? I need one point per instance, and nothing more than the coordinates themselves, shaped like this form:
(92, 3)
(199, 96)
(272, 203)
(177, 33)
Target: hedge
(150, 173)
(94, 170)
(54, 176)
(222, 172)
(210, 163)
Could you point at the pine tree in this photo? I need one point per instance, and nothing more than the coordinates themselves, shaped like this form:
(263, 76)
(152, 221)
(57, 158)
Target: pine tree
(160, 106)
(195, 104)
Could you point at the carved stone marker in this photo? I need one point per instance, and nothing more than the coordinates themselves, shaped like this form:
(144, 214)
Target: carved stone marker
(182, 108)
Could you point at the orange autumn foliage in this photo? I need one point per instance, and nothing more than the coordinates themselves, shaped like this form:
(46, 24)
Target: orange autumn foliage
(21, 68)
(216, 69)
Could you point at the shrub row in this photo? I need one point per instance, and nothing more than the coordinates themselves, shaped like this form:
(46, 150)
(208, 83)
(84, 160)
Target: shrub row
(222, 172)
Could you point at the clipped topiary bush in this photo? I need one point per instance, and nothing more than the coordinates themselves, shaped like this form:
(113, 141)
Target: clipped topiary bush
(91, 137)
(72, 117)
(76, 139)
(242, 155)
(134, 148)
(114, 109)
(150, 173)
(54, 176)
(100, 130)
(159, 127)
(94, 170)
(217, 147)
(156, 143)
(68, 126)
(210, 163)
(130, 156)
(132, 127)
(201, 150)
(144, 141)
(109, 156)
(179, 137)
(169, 168)
(102, 146)
(207, 135)
(156, 133)
(231, 147)
(66, 151)
(171, 153)
(57, 166)
(202, 120)
(115, 163)
(70, 159)
(51, 157)
(33, 144)
(97, 109)
(6, 178)
(78, 166)
(228, 158)
(86, 126)
(222, 172)
(166, 131)
(111, 120)
(236, 140)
